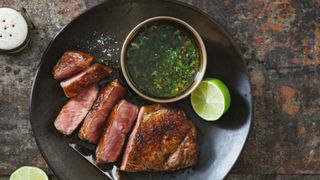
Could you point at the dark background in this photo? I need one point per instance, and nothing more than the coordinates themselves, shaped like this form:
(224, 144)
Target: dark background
(280, 41)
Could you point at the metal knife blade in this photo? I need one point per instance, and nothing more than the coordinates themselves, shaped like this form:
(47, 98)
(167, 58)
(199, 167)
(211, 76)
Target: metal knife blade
(111, 171)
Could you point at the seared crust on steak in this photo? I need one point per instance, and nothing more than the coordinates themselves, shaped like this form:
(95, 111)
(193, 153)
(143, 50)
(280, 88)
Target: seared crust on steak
(71, 63)
(74, 111)
(89, 76)
(95, 121)
(120, 123)
(163, 139)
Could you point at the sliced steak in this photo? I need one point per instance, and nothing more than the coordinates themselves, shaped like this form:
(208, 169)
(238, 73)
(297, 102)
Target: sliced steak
(74, 111)
(95, 121)
(120, 123)
(89, 76)
(163, 139)
(71, 63)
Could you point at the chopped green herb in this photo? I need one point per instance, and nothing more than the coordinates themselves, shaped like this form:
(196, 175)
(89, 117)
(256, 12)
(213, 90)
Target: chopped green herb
(162, 60)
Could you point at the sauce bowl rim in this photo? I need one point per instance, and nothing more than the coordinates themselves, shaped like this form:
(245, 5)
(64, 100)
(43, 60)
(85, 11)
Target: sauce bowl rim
(196, 80)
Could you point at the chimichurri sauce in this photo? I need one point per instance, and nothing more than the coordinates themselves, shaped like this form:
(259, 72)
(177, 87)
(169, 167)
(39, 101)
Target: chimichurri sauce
(162, 60)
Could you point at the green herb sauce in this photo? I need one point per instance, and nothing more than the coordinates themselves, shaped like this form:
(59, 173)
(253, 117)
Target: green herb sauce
(162, 60)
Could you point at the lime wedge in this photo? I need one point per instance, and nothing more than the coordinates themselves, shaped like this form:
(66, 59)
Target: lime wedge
(211, 99)
(28, 173)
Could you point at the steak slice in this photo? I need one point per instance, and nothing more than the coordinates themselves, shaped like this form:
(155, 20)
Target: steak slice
(74, 111)
(163, 139)
(95, 121)
(70, 64)
(120, 123)
(89, 76)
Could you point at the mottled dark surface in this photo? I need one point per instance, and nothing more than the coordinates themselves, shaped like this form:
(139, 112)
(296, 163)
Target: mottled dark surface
(280, 40)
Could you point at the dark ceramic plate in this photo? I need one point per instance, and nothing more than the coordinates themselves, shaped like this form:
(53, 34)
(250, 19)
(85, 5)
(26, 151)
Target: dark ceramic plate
(101, 32)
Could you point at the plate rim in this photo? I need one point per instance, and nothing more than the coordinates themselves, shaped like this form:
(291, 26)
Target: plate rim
(186, 5)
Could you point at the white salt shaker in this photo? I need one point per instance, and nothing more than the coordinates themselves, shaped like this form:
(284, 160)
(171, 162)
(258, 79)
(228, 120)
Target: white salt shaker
(14, 30)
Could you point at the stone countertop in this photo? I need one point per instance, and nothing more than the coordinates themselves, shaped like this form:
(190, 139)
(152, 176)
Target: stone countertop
(280, 41)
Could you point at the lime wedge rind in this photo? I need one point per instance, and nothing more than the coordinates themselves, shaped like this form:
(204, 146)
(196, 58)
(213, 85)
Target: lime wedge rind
(211, 99)
(223, 89)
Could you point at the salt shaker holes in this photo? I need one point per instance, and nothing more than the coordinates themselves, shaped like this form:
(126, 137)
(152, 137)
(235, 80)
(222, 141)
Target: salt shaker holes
(13, 30)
